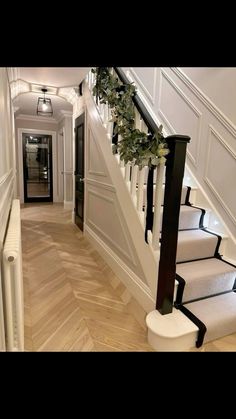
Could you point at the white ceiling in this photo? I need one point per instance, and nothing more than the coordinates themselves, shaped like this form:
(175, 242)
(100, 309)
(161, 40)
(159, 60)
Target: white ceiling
(53, 76)
(58, 77)
(26, 104)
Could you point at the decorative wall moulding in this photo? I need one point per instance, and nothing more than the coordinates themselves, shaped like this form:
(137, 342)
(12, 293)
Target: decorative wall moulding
(206, 101)
(36, 118)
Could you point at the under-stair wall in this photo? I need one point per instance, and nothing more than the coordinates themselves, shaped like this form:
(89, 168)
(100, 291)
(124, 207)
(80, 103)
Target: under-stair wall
(112, 221)
(175, 101)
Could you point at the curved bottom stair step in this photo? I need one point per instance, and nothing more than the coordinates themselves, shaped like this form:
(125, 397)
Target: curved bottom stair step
(195, 244)
(217, 313)
(205, 277)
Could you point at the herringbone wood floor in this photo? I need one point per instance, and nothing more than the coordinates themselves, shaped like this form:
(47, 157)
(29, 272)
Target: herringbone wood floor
(73, 301)
(70, 303)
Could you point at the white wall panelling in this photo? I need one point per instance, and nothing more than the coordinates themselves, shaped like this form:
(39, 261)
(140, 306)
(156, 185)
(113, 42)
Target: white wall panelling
(111, 217)
(104, 215)
(68, 162)
(213, 86)
(95, 160)
(224, 157)
(60, 160)
(6, 195)
(180, 114)
(134, 284)
(146, 81)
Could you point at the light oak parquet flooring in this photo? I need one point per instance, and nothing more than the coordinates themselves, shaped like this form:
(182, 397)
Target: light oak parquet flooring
(71, 303)
(73, 300)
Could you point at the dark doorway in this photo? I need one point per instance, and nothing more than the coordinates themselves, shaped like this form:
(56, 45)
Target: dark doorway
(37, 164)
(79, 172)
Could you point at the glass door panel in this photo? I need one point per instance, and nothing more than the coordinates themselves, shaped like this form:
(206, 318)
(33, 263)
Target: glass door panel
(37, 157)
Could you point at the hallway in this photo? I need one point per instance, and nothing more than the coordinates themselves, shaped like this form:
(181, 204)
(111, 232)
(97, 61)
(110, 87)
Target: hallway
(70, 303)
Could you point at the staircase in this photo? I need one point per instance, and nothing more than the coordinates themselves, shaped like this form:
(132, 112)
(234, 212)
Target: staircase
(205, 282)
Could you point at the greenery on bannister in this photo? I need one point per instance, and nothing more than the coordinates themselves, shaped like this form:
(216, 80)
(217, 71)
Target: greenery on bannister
(136, 146)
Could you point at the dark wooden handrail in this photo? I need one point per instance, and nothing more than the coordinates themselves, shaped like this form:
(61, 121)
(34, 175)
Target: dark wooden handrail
(169, 236)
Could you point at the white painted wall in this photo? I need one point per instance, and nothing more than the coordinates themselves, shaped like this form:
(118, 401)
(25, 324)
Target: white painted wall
(66, 141)
(111, 220)
(218, 83)
(7, 169)
(199, 102)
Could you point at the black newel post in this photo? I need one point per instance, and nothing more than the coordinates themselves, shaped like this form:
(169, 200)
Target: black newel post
(169, 236)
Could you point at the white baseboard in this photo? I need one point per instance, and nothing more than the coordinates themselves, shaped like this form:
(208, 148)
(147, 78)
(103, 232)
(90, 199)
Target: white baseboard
(133, 283)
(68, 205)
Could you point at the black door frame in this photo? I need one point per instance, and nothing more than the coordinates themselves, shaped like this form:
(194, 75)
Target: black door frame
(79, 178)
(37, 199)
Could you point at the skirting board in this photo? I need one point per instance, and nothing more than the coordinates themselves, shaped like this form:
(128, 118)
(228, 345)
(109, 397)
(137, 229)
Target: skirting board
(68, 205)
(132, 282)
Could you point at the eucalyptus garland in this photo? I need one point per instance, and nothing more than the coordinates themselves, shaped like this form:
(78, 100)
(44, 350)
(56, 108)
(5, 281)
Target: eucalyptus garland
(135, 146)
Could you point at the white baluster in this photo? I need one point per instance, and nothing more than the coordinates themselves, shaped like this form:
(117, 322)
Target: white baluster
(137, 119)
(141, 175)
(157, 206)
(122, 163)
(143, 126)
(110, 130)
(89, 80)
(127, 172)
(134, 177)
(93, 80)
(105, 114)
(102, 111)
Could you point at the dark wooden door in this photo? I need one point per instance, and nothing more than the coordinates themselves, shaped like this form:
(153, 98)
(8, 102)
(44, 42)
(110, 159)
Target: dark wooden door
(79, 171)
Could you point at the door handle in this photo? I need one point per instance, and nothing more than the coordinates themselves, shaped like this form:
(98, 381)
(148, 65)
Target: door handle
(81, 180)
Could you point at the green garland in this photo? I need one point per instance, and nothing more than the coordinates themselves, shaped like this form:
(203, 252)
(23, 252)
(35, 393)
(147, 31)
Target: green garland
(136, 146)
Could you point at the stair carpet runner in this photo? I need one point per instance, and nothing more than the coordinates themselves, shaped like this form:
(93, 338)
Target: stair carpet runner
(207, 284)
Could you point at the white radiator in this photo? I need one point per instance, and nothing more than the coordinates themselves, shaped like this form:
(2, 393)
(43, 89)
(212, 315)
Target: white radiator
(13, 282)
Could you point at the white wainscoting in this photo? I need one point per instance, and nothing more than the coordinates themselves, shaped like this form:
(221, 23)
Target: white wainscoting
(219, 156)
(104, 217)
(206, 101)
(180, 114)
(111, 219)
(6, 194)
(148, 83)
(139, 290)
(95, 161)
